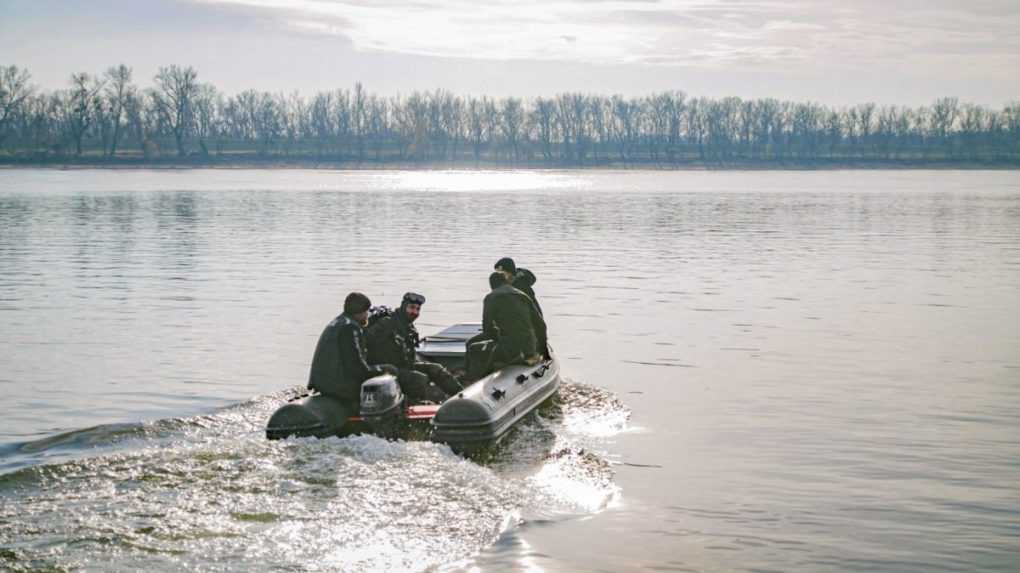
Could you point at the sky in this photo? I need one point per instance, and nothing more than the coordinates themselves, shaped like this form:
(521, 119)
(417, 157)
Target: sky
(837, 52)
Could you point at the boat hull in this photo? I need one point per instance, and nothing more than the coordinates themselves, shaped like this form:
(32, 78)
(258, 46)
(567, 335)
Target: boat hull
(486, 410)
(319, 416)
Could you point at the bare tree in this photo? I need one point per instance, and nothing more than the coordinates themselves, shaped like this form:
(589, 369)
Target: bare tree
(118, 90)
(659, 108)
(476, 125)
(570, 111)
(885, 130)
(676, 112)
(833, 131)
(323, 126)
(342, 120)
(14, 89)
(625, 125)
(490, 119)
(436, 125)
(579, 113)
(568, 128)
(943, 117)
(865, 114)
(417, 119)
(542, 118)
(601, 114)
(173, 97)
(82, 106)
(805, 129)
(378, 122)
(721, 126)
(512, 116)
(452, 117)
(294, 118)
(769, 127)
(695, 124)
(1011, 127)
(269, 121)
(36, 124)
(973, 124)
(206, 109)
(138, 118)
(359, 120)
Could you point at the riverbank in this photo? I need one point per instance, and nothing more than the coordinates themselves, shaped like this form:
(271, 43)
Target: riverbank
(305, 162)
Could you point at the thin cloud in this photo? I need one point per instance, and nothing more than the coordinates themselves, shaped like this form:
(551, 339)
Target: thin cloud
(702, 33)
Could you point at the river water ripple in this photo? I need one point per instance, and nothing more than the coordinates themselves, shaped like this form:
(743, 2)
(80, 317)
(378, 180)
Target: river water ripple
(767, 370)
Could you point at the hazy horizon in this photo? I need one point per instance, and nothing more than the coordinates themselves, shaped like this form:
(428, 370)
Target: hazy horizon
(888, 53)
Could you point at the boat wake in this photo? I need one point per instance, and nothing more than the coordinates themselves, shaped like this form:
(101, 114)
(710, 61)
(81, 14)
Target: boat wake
(211, 491)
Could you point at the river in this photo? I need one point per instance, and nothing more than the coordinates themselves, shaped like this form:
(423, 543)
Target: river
(764, 371)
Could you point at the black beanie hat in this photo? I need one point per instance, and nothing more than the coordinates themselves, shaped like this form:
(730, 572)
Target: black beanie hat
(356, 303)
(496, 279)
(507, 264)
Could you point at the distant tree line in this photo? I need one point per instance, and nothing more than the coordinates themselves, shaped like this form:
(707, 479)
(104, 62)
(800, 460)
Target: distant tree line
(107, 117)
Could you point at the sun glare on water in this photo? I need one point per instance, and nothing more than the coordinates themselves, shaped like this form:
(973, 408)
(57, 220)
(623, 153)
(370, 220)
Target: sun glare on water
(495, 181)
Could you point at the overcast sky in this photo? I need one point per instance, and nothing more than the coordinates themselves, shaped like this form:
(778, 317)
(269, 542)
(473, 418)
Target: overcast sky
(834, 52)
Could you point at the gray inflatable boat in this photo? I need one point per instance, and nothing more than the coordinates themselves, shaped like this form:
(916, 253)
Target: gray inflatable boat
(473, 420)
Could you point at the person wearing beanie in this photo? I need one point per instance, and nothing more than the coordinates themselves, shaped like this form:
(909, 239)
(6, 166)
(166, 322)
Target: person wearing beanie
(521, 279)
(393, 339)
(340, 363)
(506, 266)
(513, 331)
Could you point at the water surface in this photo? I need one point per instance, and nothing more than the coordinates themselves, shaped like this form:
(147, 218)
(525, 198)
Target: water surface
(767, 370)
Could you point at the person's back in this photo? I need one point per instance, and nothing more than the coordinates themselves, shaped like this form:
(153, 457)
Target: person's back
(523, 280)
(511, 318)
(326, 370)
(340, 363)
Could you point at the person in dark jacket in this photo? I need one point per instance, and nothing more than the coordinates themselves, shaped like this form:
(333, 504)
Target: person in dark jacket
(392, 340)
(513, 331)
(340, 363)
(521, 279)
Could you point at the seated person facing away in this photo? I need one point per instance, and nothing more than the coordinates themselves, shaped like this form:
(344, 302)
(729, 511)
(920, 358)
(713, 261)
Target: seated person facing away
(392, 340)
(340, 363)
(513, 331)
(521, 279)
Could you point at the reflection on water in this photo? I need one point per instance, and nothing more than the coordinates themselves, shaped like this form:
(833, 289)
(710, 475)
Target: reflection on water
(821, 370)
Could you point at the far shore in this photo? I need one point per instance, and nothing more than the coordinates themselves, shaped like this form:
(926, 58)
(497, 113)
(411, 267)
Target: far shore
(276, 162)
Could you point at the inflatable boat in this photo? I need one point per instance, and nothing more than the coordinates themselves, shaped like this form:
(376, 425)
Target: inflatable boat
(474, 419)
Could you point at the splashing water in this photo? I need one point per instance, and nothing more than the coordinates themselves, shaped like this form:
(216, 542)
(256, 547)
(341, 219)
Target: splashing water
(210, 491)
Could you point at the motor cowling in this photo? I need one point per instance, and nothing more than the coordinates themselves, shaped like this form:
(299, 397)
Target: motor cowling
(381, 396)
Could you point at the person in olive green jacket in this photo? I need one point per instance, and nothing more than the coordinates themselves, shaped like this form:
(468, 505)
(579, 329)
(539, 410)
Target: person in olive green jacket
(340, 363)
(393, 339)
(513, 331)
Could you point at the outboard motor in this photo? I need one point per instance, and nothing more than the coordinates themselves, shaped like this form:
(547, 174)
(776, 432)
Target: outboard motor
(382, 404)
